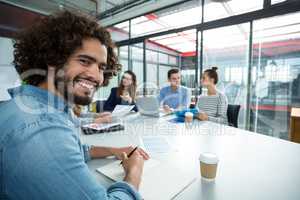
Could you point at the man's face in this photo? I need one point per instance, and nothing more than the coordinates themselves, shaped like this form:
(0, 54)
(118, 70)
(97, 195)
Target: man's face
(83, 72)
(175, 80)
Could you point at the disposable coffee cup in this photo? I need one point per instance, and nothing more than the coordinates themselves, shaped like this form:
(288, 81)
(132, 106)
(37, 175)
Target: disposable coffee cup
(188, 117)
(208, 166)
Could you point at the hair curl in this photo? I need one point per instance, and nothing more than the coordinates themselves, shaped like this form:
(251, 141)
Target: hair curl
(52, 40)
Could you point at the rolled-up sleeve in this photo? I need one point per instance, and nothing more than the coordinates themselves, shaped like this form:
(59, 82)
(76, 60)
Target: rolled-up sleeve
(122, 190)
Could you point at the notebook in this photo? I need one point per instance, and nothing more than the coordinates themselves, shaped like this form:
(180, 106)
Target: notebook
(93, 128)
(159, 181)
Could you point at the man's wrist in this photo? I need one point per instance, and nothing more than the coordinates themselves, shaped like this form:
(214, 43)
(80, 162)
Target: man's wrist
(133, 177)
(112, 151)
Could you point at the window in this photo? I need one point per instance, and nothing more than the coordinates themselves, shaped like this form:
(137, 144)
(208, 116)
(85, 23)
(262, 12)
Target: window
(8, 76)
(137, 63)
(276, 64)
(174, 47)
(163, 75)
(230, 55)
(123, 57)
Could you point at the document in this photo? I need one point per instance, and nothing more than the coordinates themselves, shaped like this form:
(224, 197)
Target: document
(121, 110)
(159, 181)
(156, 144)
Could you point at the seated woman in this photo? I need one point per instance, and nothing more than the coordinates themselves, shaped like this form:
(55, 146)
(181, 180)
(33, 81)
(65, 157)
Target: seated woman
(124, 94)
(213, 106)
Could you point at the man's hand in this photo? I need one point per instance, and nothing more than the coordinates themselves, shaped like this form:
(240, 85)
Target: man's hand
(133, 167)
(119, 151)
(105, 117)
(103, 114)
(167, 109)
(202, 116)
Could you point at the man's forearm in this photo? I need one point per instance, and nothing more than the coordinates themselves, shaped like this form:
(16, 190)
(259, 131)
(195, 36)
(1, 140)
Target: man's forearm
(101, 152)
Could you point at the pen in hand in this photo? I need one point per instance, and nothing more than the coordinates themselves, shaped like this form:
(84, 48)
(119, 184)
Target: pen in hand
(130, 153)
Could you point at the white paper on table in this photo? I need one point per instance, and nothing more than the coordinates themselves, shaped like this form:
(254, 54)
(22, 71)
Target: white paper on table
(121, 110)
(159, 181)
(156, 144)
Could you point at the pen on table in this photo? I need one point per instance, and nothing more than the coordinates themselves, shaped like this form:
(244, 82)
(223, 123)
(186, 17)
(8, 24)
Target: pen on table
(130, 153)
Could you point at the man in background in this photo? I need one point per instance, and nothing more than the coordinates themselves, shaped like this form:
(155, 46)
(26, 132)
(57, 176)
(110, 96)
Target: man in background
(174, 96)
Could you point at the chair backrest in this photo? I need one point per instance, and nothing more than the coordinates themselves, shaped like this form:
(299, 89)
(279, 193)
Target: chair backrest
(233, 115)
(100, 105)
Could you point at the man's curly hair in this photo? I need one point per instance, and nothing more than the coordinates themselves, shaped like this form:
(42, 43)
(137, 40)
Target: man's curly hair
(52, 40)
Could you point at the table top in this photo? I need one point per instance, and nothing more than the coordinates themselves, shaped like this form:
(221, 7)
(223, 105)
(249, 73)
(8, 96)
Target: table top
(295, 112)
(252, 166)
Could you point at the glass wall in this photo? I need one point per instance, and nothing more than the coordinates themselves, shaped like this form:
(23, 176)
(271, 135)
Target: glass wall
(136, 63)
(228, 49)
(275, 74)
(159, 59)
(177, 50)
(273, 68)
(123, 57)
(8, 76)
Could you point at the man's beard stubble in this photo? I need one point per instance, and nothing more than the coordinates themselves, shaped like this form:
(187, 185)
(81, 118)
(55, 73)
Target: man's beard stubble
(62, 84)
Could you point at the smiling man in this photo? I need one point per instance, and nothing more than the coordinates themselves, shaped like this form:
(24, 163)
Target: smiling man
(63, 59)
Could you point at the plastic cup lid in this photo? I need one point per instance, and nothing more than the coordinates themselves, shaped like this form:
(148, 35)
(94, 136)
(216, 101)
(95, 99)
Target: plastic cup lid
(209, 158)
(189, 114)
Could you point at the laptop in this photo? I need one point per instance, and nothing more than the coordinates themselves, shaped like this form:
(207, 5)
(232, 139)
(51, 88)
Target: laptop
(149, 106)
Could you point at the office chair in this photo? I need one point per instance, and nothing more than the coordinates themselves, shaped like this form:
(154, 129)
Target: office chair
(233, 115)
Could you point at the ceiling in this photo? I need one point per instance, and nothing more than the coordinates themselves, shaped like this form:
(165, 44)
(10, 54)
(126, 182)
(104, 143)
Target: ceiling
(91, 7)
(109, 4)
(49, 6)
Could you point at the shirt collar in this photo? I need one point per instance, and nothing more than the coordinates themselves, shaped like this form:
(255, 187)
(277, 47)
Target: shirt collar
(175, 91)
(41, 95)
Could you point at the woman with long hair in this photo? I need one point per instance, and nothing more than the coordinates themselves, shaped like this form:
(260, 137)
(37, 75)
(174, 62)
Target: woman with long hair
(213, 106)
(124, 94)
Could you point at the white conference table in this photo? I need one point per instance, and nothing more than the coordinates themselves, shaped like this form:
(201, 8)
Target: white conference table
(252, 166)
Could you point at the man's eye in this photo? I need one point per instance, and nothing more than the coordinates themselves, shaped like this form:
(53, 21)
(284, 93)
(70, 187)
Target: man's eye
(84, 62)
(102, 67)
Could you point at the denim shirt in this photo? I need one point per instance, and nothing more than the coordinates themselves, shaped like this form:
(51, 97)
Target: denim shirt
(179, 98)
(41, 156)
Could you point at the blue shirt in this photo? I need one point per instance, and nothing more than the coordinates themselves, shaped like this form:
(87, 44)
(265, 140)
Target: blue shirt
(41, 156)
(175, 99)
